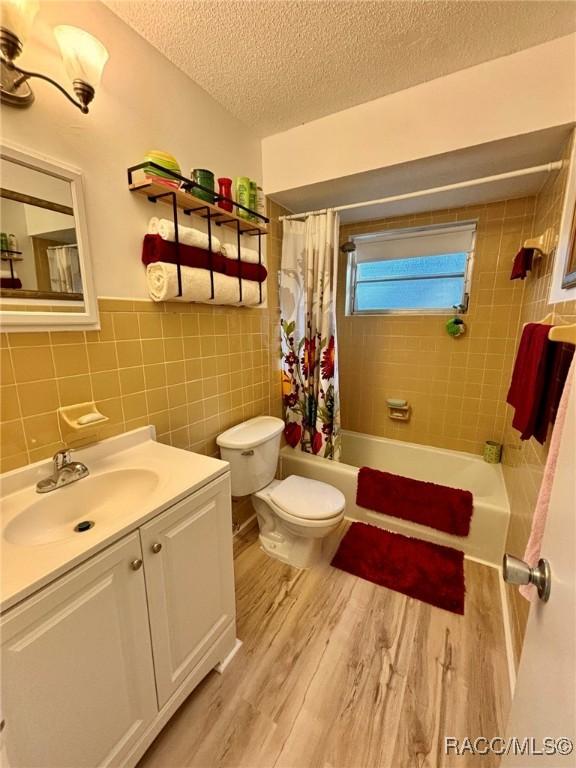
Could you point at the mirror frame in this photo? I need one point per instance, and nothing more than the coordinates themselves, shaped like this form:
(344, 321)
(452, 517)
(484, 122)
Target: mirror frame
(53, 320)
(563, 284)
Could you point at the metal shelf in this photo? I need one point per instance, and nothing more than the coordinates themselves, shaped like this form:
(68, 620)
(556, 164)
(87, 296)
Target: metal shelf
(181, 199)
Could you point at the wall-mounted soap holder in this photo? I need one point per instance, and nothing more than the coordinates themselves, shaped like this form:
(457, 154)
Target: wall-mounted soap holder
(399, 410)
(80, 422)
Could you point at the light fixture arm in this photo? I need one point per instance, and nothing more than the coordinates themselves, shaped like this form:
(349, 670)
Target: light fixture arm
(83, 90)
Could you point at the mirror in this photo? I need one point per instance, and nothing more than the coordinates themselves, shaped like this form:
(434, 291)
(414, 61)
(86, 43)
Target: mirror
(45, 275)
(570, 270)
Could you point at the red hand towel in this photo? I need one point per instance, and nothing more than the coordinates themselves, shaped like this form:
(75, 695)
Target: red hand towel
(155, 248)
(527, 393)
(522, 263)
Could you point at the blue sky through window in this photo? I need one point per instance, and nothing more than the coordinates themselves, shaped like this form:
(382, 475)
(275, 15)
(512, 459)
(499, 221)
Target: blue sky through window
(394, 284)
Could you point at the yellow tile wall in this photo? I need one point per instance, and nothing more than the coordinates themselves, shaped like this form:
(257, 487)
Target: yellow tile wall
(191, 370)
(456, 387)
(523, 461)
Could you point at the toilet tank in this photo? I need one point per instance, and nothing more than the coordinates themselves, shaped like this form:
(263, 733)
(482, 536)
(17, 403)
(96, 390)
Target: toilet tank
(252, 449)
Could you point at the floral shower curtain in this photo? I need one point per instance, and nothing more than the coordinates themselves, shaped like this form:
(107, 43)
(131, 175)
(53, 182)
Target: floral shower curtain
(308, 326)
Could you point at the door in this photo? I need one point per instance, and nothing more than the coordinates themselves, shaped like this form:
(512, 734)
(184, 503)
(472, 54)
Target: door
(189, 580)
(544, 703)
(77, 674)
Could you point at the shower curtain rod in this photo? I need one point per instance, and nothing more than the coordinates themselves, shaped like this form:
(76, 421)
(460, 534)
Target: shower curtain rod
(545, 168)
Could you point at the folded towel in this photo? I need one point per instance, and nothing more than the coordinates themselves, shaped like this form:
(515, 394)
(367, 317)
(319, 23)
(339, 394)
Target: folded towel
(163, 286)
(246, 254)
(522, 263)
(186, 235)
(155, 249)
(10, 282)
(437, 506)
(527, 393)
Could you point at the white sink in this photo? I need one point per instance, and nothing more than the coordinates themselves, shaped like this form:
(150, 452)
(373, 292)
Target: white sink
(132, 478)
(97, 500)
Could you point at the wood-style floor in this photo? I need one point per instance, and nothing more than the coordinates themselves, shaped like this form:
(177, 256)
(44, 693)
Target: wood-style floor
(336, 672)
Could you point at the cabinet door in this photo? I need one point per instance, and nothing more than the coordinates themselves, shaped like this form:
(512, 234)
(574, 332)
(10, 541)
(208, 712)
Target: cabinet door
(189, 581)
(77, 672)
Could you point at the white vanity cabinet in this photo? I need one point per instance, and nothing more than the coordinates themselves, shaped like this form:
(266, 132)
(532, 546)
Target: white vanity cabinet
(96, 663)
(188, 562)
(77, 673)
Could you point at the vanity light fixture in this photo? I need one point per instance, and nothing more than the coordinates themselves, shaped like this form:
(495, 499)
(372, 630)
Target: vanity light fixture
(84, 57)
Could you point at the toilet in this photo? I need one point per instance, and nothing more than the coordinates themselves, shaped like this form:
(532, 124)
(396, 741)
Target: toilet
(296, 516)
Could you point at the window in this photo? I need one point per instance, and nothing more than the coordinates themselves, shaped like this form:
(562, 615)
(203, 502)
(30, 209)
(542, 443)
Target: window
(419, 270)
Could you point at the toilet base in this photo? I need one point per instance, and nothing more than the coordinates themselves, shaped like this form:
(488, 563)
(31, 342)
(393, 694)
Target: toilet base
(297, 552)
(293, 543)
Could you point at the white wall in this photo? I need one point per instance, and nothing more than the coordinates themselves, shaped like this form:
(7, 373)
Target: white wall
(527, 91)
(143, 103)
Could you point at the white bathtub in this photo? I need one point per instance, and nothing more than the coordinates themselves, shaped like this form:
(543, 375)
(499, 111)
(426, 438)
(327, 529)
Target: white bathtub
(455, 469)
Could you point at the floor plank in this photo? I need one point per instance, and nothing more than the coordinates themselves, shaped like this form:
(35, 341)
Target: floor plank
(336, 672)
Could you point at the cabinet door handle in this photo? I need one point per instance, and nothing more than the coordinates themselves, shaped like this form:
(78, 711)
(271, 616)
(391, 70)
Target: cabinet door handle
(2, 725)
(136, 564)
(156, 547)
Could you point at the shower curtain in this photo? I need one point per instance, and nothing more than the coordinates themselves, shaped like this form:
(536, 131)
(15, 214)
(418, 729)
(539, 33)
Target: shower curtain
(308, 281)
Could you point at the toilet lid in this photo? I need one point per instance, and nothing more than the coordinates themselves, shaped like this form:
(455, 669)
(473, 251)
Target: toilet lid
(308, 499)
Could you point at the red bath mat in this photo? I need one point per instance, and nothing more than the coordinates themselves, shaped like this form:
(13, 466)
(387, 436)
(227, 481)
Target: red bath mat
(428, 572)
(446, 509)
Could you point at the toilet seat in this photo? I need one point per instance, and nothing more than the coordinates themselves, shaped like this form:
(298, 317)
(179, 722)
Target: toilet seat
(306, 500)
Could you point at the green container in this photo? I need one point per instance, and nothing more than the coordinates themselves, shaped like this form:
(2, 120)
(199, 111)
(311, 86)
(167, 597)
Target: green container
(492, 452)
(253, 197)
(242, 195)
(206, 179)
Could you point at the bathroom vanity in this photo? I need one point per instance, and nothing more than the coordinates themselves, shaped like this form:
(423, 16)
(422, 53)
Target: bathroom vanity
(105, 632)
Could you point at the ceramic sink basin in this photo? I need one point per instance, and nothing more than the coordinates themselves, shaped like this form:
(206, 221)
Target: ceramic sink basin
(94, 499)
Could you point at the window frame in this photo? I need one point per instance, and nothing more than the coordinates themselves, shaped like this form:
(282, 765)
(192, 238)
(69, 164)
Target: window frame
(391, 234)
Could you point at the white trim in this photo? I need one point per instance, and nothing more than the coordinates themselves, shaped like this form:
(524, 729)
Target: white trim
(221, 668)
(59, 321)
(246, 524)
(506, 619)
(557, 293)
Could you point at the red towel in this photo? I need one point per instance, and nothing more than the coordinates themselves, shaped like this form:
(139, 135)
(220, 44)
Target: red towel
(10, 282)
(155, 249)
(527, 393)
(446, 509)
(522, 263)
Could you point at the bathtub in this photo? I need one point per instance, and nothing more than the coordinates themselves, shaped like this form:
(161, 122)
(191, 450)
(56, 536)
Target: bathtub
(456, 469)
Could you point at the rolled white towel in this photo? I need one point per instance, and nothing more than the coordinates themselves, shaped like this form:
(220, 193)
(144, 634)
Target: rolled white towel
(186, 235)
(246, 254)
(163, 286)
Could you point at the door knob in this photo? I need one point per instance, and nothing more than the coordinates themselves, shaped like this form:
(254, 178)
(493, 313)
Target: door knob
(516, 571)
(136, 564)
(156, 547)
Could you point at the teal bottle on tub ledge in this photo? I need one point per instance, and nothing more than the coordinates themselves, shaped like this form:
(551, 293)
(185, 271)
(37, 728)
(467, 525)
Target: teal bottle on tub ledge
(242, 195)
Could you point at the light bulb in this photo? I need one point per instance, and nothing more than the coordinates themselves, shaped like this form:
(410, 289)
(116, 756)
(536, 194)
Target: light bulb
(17, 16)
(84, 56)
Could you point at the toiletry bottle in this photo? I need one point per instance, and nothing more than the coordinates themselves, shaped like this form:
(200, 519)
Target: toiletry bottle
(253, 197)
(225, 189)
(260, 202)
(243, 195)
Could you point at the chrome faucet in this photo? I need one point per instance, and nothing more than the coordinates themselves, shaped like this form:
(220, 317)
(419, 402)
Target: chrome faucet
(65, 472)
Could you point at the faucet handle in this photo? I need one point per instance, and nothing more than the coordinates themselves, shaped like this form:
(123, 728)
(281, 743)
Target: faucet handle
(61, 458)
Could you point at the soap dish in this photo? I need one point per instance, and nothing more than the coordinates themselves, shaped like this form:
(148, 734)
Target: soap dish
(80, 420)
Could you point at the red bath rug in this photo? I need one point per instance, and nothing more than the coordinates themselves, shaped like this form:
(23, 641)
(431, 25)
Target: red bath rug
(437, 506)
(425, 571)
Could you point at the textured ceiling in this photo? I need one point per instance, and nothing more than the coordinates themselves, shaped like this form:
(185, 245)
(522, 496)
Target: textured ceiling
(279, 63)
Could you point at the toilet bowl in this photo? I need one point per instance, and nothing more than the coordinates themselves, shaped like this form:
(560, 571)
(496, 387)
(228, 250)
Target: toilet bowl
(296, 516)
